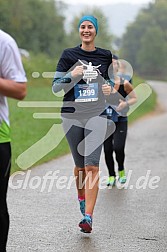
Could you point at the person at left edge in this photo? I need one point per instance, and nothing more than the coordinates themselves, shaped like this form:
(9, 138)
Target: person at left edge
(84, 104)
(12, 84)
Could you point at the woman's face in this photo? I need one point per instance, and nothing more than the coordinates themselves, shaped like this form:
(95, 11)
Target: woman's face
(87, 32)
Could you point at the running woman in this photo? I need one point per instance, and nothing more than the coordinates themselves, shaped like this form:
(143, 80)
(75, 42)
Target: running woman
(82, 72)
(117, 112)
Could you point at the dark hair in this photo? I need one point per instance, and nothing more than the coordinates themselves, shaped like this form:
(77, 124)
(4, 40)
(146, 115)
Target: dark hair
(115, 57)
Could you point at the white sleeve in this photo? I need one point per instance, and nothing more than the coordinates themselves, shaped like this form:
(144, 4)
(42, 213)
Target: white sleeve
(11, 64)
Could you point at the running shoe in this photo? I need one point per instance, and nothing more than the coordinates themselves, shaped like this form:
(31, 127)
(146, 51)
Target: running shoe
(111, 181)
(83, 231)
(122, 177)
(82, 207)
(86, 224)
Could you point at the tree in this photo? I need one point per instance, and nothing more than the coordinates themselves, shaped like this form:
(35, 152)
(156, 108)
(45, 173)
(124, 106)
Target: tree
(36, 25)
(151, 57)
(144, 44)
(131, 41)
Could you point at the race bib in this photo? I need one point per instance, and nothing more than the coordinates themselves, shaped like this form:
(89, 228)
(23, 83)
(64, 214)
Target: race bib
(86, 92)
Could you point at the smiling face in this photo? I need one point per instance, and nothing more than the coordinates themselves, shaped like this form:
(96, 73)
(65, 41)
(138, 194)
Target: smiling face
(87, 32)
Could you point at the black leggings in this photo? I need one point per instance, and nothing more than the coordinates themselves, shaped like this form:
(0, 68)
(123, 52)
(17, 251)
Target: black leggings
(5, 164)
(116, 143)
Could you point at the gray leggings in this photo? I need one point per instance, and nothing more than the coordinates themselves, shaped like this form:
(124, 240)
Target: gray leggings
(85, 138)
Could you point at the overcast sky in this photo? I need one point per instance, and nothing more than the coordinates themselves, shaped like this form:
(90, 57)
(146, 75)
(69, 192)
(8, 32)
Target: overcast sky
(103, 2)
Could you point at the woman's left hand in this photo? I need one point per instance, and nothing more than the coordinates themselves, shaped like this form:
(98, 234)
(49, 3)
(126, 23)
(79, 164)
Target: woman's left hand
(106, 89)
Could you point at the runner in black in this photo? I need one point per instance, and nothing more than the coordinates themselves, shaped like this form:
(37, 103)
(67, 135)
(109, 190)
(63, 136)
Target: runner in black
(82, 72)
(122, 96)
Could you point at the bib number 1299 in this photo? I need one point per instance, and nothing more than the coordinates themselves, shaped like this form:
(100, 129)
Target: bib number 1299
(87, 92)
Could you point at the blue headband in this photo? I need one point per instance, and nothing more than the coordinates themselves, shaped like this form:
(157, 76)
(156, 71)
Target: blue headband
(92, 19)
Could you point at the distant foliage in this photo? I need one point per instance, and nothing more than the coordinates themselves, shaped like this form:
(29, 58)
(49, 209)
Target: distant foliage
(37, 25)
(144, 44)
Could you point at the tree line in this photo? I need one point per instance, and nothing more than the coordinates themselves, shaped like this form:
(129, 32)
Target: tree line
(39, 26)
(144, 44)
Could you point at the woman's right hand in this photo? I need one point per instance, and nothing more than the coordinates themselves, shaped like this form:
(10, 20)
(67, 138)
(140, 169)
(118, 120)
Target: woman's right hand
(78, 71)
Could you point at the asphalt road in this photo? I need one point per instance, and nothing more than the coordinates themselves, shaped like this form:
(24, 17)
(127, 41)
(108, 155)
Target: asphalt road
(44, 214)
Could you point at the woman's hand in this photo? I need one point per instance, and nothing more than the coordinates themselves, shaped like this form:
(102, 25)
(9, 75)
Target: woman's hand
(78, 71)
(106, 89)
(122, 104)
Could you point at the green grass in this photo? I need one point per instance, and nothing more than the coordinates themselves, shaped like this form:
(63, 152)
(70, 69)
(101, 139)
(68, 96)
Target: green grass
(26, 130)
(146, 107)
